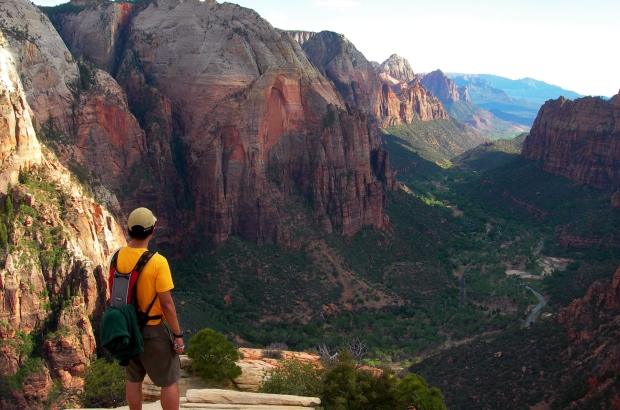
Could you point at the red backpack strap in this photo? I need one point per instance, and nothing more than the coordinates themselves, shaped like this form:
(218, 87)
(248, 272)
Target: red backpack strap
(144, 259)
(112, 268)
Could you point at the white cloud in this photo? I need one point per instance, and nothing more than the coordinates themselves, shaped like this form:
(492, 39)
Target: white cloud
(276, 17)
(337, 4)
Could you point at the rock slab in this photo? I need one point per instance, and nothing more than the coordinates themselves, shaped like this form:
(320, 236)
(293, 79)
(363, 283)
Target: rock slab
(217, 396)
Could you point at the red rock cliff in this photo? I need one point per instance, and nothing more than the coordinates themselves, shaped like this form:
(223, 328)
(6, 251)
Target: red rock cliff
(441, 86)
(591, 323)
(248, 106)
(98, 37)
(390, 101)
(578, 139)
(60, 238)
(248, 115)
(79, 110)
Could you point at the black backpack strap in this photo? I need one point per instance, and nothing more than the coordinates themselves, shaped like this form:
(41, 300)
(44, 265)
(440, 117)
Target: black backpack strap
(144, 259)
(114, 259)
(149, 309)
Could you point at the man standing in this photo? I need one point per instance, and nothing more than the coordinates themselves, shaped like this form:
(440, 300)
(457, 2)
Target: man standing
(160, 359)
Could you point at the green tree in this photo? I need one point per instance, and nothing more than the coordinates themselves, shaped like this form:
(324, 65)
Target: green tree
(8, 209)
(4, 236)
(293, 377)
(104, 385)
(346, 387)
(413, 390)
(213, 357)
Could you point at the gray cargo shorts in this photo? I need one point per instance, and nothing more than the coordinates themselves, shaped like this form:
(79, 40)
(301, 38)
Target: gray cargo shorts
(158, 360)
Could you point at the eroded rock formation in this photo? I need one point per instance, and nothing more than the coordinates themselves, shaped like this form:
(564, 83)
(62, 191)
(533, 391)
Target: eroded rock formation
(97, 37)
(396, 69)
(578, 139)
(80, 110)
(60, 237)
(591, 324)
(442, 87)
(19, 147)
(391, 101)
(253, 118)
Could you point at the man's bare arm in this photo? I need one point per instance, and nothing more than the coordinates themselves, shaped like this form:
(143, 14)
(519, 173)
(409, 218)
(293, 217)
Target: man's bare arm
(170, 313)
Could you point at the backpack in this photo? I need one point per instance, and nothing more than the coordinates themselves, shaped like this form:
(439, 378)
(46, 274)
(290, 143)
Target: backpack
(123, 287)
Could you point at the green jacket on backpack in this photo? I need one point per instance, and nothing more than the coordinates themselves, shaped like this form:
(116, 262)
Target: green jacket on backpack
(120, 334)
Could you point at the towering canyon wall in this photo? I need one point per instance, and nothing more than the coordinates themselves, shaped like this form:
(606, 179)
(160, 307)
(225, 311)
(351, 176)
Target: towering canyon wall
(79, 110)
(96, 40)
(251, 117)
(579, 140)
(56, 238)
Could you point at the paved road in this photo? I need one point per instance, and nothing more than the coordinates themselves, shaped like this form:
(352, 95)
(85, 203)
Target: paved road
(541, 304)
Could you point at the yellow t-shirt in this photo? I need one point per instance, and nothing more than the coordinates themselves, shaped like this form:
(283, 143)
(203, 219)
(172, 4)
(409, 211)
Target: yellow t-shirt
(155, 277)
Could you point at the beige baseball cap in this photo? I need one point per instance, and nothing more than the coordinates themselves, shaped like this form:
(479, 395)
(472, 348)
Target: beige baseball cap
(142, 217)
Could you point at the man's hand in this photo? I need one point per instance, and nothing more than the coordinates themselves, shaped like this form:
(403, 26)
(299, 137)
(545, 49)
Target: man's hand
(180, 345)
(170, 313)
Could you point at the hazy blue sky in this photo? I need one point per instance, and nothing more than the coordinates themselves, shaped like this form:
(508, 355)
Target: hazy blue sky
(570, 43)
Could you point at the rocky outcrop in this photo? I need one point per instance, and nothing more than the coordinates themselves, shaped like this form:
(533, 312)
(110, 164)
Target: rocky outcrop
(464, 94)
(70, 349)
(19, 147)
(301, 36)
(58, 279)
(247, 115)
(578, 140)
(106, 139)
(591, 324)
(45, 66)
(417, 102)
(78, 110)
(60, 238)
(341, 62)
(254, 366)
(396, 69)
(97, 36)
(218, 396)
(441, 86)
(387, 99)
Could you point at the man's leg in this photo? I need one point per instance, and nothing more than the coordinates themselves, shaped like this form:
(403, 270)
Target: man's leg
(133, 392)
(170, 397)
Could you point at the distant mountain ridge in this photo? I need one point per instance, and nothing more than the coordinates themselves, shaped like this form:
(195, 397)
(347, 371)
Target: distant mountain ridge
(527, 88)
(511, 100)
(458, 103)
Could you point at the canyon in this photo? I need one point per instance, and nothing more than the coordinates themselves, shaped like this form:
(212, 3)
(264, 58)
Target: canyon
(230, 130)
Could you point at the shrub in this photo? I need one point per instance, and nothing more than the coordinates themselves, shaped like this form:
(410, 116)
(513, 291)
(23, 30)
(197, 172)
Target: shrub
(213, 357)
(104, 385)
(413, 389)
(346, 387)
(293, 377)
(274, 350)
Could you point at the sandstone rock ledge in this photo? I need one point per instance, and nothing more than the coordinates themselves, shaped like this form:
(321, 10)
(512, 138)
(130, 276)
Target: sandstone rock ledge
(218, 396)
(217, 399)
